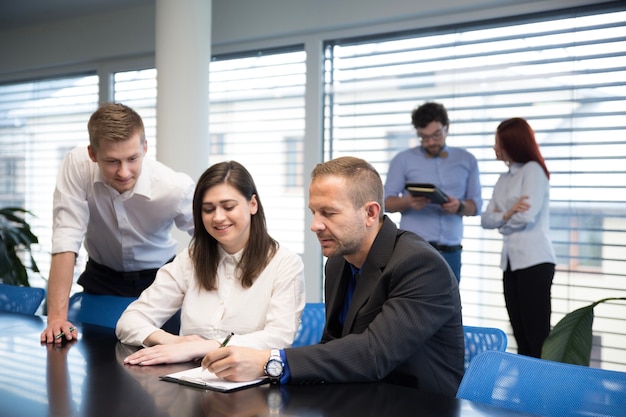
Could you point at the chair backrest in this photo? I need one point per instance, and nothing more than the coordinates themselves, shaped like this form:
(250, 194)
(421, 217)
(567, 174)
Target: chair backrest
(101, 310)
(482, 339)
(542, 387)
(311, 325)
(20, 299)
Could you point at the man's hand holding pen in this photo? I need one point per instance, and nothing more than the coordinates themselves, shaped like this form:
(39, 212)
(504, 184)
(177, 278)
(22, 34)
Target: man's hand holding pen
(236, 363)
(59, 331)
(62, 334)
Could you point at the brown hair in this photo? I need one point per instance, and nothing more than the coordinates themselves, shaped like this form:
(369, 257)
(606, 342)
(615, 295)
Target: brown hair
(114, 122)
(259, 250)
(517, 139)
(365, 185)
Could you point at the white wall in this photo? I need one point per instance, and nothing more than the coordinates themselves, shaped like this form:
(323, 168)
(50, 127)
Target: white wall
(76, 43)
(244, 20)
(131, 32)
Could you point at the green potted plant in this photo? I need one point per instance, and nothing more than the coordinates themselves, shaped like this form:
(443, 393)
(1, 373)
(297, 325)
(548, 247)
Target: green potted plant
(571, 339)
(16, 237)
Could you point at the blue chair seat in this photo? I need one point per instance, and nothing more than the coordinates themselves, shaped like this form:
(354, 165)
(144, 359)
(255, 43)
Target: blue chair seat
(18, 299)
(542, 387)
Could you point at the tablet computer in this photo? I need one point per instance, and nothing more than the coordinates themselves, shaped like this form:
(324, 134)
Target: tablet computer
(427, 190)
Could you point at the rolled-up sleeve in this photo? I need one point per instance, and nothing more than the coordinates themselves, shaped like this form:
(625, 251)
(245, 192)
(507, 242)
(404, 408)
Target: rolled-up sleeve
(70, 207)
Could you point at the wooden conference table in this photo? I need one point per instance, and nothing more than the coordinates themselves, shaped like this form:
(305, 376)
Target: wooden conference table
(88, 378)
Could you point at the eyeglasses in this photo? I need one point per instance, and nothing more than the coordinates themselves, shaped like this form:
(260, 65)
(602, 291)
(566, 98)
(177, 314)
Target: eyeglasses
(434, 137)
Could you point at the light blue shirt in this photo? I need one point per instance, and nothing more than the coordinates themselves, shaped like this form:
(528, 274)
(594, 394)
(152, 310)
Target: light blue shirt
(456, 175)
(526, 239)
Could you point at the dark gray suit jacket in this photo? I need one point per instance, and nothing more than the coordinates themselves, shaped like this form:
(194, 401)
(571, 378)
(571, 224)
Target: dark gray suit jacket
(404, 323)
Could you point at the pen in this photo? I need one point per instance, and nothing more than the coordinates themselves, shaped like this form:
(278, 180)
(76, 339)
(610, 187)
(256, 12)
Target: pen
(60, 335)
(225, 342)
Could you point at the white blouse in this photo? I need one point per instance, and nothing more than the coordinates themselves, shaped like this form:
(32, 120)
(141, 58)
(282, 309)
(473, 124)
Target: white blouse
(526, 235)
(263, 316)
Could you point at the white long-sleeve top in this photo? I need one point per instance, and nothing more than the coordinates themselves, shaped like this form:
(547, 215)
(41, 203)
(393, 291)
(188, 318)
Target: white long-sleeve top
(526, 235)
(263, 316)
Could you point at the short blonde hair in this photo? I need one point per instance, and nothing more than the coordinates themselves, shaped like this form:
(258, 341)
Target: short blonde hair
(114, 122)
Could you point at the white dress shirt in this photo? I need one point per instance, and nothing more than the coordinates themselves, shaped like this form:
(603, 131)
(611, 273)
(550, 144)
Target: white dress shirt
(526, 235)
(263, 316)
(128, 231)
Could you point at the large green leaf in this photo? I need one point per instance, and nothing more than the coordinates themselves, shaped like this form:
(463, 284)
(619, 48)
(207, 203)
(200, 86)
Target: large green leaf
(5, 261)
(571, 339)
(15, 235)
(10, 213)
(16, 274)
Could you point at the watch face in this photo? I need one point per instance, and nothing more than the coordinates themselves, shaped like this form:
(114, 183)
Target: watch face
(274, 368)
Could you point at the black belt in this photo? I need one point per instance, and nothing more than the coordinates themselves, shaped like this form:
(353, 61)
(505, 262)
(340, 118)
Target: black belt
(446, 248)
(125, 275)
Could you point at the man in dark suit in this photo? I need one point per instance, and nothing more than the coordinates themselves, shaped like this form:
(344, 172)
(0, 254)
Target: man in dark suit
(393, 310)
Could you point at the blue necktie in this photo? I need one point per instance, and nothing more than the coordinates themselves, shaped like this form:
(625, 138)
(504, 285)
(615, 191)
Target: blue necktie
(349, 292)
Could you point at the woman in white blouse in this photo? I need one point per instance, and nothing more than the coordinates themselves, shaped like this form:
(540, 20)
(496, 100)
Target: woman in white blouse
(519, 209)
(234, 277)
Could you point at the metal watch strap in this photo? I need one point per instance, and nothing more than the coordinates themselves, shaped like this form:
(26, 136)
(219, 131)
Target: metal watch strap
(274, 358)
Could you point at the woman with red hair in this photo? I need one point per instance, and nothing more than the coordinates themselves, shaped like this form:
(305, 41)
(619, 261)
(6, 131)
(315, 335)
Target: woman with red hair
(519, 209)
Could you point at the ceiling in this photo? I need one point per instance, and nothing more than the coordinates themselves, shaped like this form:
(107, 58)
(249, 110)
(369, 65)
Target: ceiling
(18, 13)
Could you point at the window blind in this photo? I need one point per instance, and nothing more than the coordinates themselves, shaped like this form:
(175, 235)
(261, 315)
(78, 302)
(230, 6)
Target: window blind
(257, 118)
(566, 75)
(40, 121)
(138, 90)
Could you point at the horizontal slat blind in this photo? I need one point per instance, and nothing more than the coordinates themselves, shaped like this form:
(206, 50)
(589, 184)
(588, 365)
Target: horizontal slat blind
(138, 89)
(40, 121)
(566, 74)
(257, 118)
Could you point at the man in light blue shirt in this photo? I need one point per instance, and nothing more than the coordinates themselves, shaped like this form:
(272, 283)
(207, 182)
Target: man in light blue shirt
(453, 170)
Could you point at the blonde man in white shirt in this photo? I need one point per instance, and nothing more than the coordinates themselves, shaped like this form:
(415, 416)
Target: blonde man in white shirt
(233, 278)
(123, 206)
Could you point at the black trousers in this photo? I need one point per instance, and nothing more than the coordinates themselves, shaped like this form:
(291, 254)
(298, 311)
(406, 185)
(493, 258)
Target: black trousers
(528, 302)
(100, 279)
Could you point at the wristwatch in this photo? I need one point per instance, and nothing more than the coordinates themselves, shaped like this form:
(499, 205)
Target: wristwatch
(274, 367)
(461, 208)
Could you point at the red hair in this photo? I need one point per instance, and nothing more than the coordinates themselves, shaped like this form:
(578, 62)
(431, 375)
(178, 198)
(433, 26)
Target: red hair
(517, 139)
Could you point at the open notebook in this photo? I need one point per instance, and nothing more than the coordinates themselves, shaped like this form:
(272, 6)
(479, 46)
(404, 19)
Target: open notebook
(201, 378)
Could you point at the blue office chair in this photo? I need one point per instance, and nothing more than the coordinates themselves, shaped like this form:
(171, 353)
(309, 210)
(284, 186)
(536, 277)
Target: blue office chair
(481, 339)
(544, 388)
(311, 325)
(20, 299)
(101, 310)
(105, 311)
